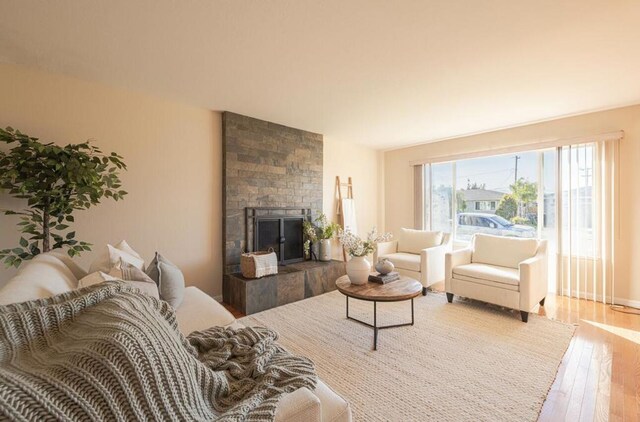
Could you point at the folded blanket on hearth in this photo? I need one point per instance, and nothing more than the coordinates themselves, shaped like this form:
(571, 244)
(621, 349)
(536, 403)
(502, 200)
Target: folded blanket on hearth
(107, 352)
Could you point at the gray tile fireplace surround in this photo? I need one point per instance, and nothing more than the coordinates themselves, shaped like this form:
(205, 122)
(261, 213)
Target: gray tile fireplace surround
(292, 283)
(267, 165)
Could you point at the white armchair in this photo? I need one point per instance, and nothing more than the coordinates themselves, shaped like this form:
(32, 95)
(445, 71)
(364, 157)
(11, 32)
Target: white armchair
(505, 271)
(418, 254)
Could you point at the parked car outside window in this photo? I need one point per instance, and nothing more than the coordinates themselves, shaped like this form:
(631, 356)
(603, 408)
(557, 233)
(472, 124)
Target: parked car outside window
(471, 223)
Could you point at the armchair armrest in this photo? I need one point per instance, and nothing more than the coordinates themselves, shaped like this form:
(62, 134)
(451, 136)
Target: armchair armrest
(533, 278)
(432, 264)
(385, 248)
(452, 260)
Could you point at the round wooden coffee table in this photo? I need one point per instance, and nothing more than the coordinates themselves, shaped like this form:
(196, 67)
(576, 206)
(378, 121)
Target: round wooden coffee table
(396, 291)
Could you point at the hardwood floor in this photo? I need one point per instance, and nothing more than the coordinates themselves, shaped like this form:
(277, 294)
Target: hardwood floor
(599, 377)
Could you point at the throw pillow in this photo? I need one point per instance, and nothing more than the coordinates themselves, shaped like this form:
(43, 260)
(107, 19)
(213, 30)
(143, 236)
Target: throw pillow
(94, 278)
(169, 279)
(136, 277)
(111, 255)
(414, 241)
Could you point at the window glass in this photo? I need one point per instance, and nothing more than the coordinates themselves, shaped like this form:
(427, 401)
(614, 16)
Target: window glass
(577, 204)
(548, 223)
(503, 185)
(441, 197)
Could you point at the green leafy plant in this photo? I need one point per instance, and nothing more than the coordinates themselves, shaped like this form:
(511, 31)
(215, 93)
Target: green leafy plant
(55, 181)
(507, 207)
(318, 229)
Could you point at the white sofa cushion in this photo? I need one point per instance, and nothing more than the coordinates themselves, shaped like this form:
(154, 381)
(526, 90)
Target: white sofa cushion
(404, 261)
(502, 251)
(334, 407)
(301, 405)
(199, 311)
(414, 241)
(509, 277)
(44, 276)
(62, 255)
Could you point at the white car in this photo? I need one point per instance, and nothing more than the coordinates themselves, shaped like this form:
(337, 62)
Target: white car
(470, 223)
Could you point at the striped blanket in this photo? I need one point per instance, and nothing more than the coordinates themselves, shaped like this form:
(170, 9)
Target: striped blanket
(108, 352)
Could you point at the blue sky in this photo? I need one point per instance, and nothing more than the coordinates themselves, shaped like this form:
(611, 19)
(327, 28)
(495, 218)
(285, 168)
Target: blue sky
(497, 172)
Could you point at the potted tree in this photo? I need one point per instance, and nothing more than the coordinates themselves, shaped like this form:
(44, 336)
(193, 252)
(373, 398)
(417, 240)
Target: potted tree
(55, 182)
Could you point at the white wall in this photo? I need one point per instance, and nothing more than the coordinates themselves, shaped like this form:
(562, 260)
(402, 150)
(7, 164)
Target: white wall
(174, 155)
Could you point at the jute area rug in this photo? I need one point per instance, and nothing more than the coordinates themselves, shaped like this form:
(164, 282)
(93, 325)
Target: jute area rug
(464, 361)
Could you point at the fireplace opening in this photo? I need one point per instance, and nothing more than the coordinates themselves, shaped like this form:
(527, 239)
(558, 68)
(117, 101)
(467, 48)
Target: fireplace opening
(277, 229)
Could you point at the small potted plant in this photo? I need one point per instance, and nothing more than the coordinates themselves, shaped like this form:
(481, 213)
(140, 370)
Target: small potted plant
(320, 231)
(358, 267)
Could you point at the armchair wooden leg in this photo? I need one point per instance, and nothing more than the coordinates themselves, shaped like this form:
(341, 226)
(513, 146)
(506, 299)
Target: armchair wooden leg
(524, 315)
(542, 301)
(450, 297)
(424, 291)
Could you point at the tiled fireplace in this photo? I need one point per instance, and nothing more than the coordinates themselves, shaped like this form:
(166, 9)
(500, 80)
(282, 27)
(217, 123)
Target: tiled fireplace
(272, 182)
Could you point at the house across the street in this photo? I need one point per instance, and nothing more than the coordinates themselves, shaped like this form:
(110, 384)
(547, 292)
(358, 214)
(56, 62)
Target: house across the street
(481, 200)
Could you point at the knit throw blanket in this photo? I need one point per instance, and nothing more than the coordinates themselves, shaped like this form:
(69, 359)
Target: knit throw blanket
(107, 352)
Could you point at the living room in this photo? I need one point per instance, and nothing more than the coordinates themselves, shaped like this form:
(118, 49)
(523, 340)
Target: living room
(458, 130)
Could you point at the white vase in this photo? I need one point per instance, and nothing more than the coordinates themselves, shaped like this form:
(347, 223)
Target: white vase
(358, 270)
(325, 250)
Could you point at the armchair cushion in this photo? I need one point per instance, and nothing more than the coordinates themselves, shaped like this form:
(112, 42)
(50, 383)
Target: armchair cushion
(404, 261)
(414, 241)
(502, 251)
(504, 277)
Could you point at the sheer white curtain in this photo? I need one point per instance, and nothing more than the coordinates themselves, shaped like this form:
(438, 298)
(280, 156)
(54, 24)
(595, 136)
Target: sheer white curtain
(586, 209)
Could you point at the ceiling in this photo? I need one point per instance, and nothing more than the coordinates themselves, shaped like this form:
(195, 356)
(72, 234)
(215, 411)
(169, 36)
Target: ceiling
(379, 73)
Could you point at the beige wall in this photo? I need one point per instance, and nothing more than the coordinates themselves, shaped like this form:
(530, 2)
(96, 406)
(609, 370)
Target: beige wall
(362, 164)
(173, 152)
(399, 182)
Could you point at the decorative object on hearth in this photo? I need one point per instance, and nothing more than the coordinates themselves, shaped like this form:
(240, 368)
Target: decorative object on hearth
(384, 266)
(325, 250)
(259, 264)
(358, 267)
(55, 181)
(319, 232)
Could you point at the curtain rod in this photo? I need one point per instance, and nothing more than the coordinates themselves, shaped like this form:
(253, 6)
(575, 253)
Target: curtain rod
(531, 146)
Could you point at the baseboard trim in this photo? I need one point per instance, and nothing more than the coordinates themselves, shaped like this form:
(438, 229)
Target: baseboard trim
(607, 299)
(627, 302)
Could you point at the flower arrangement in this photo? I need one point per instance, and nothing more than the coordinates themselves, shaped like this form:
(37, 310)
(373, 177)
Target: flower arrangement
(318, 229)
(356, 246)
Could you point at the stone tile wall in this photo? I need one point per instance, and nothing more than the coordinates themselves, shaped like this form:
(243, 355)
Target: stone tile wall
(265, 165)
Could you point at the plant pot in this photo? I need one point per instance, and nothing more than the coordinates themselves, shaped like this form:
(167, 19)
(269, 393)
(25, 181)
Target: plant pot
(358, 269)
(325, 250)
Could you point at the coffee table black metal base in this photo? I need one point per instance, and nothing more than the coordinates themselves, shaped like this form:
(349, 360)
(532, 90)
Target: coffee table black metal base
(375, 325)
